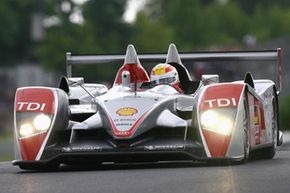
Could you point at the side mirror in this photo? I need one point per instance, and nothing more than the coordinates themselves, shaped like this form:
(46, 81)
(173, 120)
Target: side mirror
(210, 79)
(280, 139)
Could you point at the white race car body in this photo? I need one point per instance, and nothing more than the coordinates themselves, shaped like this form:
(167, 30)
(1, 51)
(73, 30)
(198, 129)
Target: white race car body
(138, 121)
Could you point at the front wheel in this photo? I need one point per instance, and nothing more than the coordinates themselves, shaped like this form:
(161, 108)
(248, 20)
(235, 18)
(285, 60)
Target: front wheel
(246, 139)
(269, 153)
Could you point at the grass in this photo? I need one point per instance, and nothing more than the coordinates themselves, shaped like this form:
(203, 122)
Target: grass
(6, 136)
(6, 158)
(6, 141)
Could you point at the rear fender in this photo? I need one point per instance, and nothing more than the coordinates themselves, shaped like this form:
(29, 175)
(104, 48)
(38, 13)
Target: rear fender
(224, 99)
(38, 111)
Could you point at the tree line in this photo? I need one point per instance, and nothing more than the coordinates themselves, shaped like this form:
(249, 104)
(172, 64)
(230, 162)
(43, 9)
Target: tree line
(191, 24)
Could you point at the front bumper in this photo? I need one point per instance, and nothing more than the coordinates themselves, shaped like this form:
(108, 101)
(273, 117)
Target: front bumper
(94, 153)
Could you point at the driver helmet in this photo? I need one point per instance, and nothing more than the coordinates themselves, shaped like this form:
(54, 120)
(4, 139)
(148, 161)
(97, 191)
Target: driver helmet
(165, 74)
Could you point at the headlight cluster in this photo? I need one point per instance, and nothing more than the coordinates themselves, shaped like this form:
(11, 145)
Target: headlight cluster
(39, 124)
(216, 122)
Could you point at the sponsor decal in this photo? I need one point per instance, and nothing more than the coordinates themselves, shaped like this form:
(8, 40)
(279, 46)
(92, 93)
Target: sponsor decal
(84, 148)
(124, 124)
(35, 100)
(122, 133)
(223, 95)
(127, 111)
(163, 147)
(223, 102)
(30, 106)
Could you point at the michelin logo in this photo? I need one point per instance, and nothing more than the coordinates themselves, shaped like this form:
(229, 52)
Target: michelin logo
(163, 147)
(85, 148)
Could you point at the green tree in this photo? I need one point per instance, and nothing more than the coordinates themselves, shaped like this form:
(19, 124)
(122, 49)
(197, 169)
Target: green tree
(15, 20)
(103, 31)
(104, 19)
(284, 113)
(250, 6)
(200, 24)
(150, 36)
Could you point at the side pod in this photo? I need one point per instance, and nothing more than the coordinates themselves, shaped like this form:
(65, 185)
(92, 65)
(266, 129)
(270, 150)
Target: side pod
(218, 111)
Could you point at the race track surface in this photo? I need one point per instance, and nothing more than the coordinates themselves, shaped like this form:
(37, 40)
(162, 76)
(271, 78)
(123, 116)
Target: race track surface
(257, 176)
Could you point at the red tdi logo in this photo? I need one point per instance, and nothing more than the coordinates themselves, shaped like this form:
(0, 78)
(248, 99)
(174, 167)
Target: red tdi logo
(30, 106)
(221, 102)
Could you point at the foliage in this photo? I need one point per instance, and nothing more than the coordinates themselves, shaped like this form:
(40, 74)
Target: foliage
(150, 36)
(284, 112)
(15, 29)
(199, 24)
(102, 32)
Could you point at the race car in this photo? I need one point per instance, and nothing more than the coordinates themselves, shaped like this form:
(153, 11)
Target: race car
(137, 120)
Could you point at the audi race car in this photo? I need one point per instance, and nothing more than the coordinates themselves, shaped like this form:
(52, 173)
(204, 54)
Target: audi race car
(138, 120)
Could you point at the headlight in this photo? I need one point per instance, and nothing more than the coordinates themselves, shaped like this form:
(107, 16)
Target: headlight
(225, 126)
(209, 119)
(35, 124)
(26, 129)
(216, 122)
(41, 122)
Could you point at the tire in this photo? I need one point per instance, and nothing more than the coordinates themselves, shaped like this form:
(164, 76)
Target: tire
(269, 153)
(246, 139)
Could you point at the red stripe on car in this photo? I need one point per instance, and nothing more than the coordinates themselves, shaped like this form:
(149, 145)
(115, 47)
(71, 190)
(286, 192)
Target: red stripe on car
(129, 132)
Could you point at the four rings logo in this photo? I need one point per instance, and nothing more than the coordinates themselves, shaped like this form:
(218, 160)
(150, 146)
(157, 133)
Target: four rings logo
(127, 111)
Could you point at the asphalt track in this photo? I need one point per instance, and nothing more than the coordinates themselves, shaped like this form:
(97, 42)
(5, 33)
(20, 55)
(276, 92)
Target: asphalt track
(257, 176)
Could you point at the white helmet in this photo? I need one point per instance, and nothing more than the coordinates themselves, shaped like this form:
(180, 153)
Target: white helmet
(165, 74)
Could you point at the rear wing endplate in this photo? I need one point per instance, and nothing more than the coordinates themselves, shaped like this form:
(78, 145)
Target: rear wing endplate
(268, 55)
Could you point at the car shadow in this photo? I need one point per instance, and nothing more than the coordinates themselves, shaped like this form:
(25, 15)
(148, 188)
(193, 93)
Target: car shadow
(134, 166)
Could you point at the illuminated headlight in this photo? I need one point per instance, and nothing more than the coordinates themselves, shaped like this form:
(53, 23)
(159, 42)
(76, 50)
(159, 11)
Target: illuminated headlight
(41, 122)
(34, 125)
(26, 129)
(209, 119)
(213, 121)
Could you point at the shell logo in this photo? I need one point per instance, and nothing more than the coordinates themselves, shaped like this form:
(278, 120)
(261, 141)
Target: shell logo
(127, 111)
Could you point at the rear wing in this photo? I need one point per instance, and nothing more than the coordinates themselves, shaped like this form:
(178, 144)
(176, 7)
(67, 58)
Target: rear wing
(268, 55)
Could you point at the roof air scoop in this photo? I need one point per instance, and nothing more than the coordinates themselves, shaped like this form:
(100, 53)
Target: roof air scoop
(126, 78)
(173, 58)
(172, 55)
(132, 64)
(131, 55)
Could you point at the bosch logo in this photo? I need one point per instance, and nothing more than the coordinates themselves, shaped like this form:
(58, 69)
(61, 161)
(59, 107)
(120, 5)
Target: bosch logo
(30, 106)
(221, 102)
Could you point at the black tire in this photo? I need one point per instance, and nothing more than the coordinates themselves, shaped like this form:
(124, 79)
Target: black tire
(269, 153)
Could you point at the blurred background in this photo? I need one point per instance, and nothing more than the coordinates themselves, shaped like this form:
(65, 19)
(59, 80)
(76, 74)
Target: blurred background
(36, 34)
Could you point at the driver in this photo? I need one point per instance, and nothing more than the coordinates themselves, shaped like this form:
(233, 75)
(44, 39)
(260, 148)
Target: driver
(165, 74)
